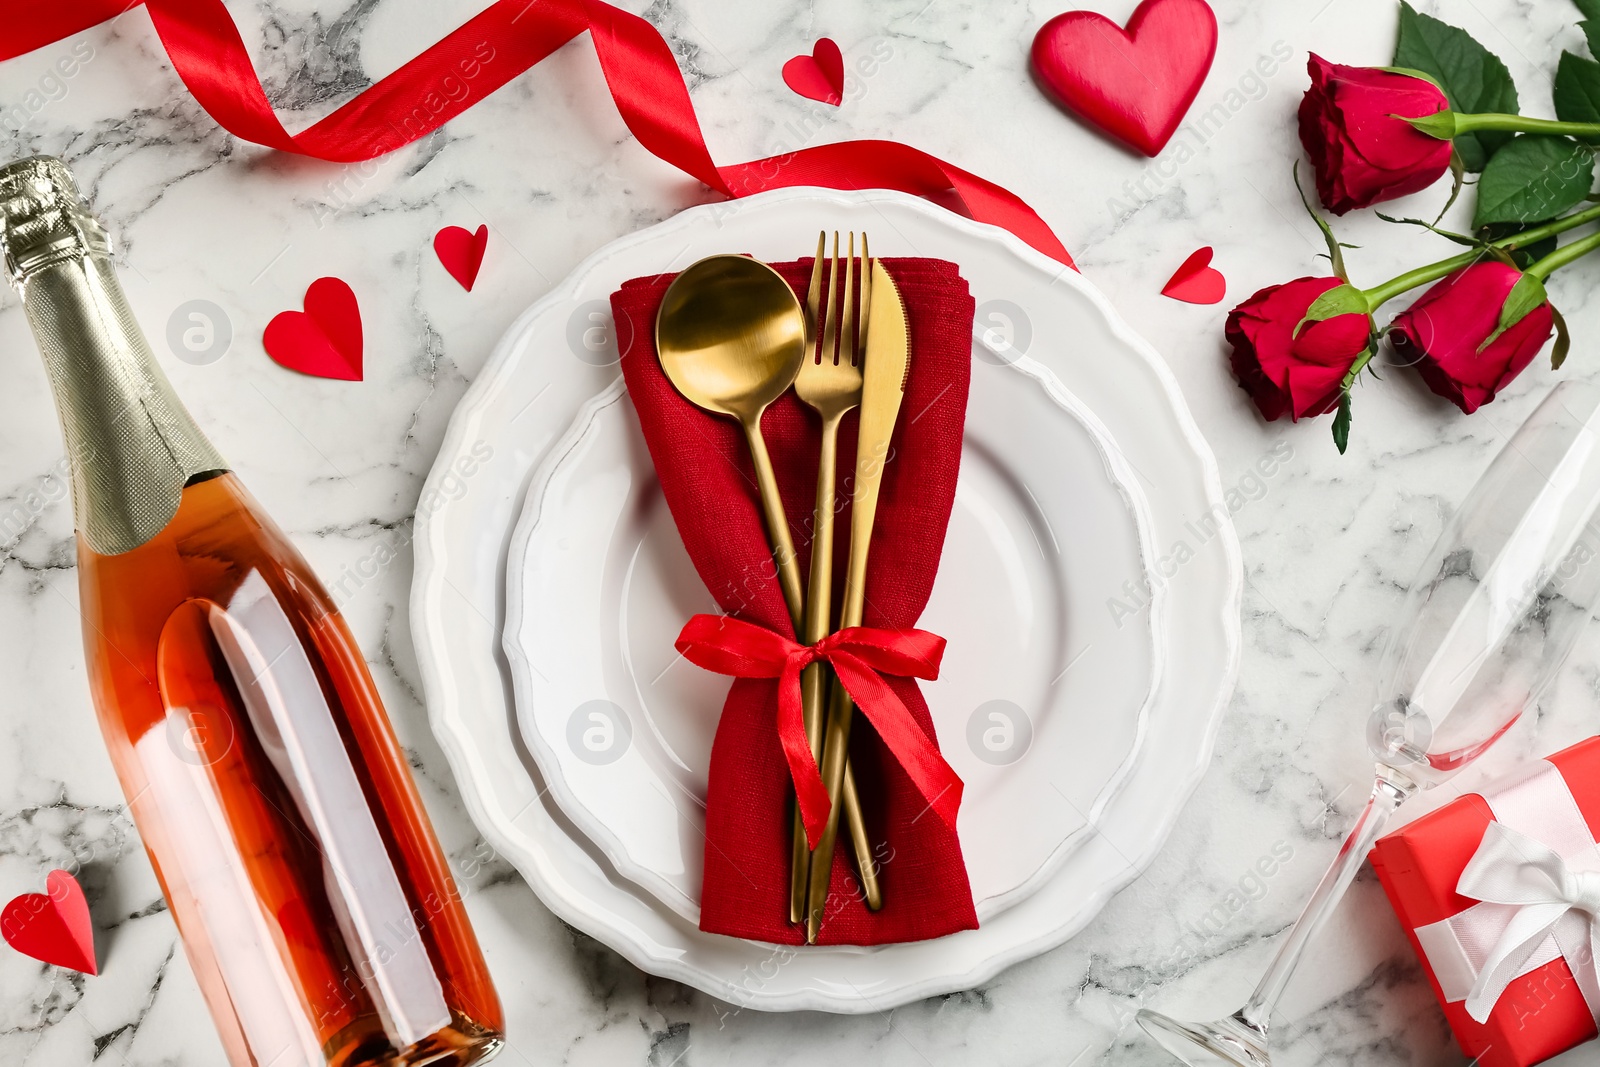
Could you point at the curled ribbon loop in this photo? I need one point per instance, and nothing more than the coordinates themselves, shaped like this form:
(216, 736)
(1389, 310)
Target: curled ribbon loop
(1552, 900)
(860, 656)
(483, 54)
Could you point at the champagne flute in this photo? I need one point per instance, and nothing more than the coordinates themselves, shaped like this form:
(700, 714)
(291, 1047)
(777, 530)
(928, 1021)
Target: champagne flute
(1491, 618)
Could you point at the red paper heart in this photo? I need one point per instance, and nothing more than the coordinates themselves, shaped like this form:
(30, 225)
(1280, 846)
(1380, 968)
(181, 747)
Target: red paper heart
(461, 252)
(52, 927)
(1137, 84)
(325, 339)
(819, 76)
(1196, 281)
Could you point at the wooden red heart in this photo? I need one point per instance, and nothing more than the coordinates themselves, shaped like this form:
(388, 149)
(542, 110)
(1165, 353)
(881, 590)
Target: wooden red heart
(52, 927)
(325, 339)
(461, 252)
(819, 76)
(1135, 84)
(1197, 281)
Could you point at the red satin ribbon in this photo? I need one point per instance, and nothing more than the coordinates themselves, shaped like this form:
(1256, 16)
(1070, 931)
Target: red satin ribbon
(489, 50)
(860, 655)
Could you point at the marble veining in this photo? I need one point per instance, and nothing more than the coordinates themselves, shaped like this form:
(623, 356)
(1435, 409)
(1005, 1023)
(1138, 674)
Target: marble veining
(1329, 542)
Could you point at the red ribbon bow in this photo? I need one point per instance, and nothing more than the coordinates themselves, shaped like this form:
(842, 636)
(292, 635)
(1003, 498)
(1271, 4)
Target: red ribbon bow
(860, 655)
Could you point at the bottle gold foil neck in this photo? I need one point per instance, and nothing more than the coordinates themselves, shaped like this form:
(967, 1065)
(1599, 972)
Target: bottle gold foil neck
(42, 217)
(132, 445)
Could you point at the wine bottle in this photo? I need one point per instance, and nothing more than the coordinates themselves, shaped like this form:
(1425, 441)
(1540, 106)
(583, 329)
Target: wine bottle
(313, 900)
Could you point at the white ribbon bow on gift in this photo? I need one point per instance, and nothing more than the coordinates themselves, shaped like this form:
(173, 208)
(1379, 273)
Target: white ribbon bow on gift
(1552, 900)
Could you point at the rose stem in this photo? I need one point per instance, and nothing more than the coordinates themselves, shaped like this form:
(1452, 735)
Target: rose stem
(1522, 124)
(1563, 255)
(1434, 271)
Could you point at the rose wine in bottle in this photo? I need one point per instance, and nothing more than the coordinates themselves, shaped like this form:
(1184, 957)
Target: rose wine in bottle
(314, 903)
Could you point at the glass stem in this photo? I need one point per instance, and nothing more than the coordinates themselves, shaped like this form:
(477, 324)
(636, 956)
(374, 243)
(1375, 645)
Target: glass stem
(1386, 796)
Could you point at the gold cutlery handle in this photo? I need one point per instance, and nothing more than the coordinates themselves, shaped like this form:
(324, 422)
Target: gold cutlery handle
(800, 852)
(777, 522)
(814, 682)
(789, 580)
(866, 862)
(836, 746)
(836, 743)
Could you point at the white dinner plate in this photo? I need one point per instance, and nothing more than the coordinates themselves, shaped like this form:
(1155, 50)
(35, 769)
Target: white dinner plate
(1047, 526)
(556, 357)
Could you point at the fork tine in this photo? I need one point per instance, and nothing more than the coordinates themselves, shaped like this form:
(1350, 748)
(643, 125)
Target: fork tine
(866, 299)
(847, 325)
(830, 322)
(814, 294)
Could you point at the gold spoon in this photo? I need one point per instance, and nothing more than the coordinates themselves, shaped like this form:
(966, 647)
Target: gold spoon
(731, 336)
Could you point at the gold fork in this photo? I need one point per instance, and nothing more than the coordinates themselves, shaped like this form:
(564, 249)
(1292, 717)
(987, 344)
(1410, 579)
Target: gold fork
(886, 362)
(829, 382)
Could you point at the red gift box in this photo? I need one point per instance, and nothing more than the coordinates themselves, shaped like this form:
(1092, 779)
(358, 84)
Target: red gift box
(1540, 1013)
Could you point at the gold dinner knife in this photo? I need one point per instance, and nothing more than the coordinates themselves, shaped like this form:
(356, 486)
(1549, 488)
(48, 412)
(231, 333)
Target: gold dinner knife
(888, 361)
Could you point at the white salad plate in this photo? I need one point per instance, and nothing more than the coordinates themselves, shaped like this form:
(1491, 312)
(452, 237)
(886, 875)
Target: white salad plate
(1052, 326)
(1047, 527)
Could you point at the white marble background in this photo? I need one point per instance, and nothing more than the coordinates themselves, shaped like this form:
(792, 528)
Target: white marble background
(547, 164)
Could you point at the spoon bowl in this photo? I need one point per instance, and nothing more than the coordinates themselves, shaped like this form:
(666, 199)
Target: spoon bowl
(731, 335)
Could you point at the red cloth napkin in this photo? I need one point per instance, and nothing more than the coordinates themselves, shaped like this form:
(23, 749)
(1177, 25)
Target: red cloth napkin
(709, 484)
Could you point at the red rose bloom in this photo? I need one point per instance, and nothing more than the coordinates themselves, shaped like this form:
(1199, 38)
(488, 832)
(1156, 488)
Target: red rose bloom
(1287, 373)
(1444, 332)
(1363, 153)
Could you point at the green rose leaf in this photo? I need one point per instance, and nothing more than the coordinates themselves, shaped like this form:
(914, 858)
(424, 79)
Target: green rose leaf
(1335, 249)
(1412, 72)
(1591, 23)
(1558, 354)
(1472, 77)
(1526, 295)
(1441, 124)
(1534, 178)
(1341, 423)
(1343, 299)
(1577, 91)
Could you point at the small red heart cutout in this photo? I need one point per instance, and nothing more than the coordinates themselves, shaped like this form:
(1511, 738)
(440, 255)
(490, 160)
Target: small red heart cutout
(461, 252)
(819, 76)
(1135, 84)
(1197, 281)
(325, 339)
(52, 927)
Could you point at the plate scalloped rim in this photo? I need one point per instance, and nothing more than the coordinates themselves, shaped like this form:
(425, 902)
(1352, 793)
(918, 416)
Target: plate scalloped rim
(538, 866)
